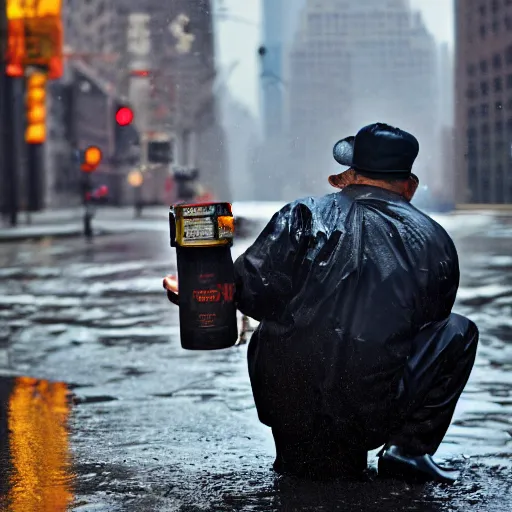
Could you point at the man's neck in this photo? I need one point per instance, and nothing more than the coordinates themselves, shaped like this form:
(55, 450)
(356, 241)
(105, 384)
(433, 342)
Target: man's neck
(386, 185)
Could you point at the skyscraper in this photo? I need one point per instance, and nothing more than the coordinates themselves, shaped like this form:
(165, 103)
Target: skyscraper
(280, 19)
(483, 85)
(354, 63)
(444, 183)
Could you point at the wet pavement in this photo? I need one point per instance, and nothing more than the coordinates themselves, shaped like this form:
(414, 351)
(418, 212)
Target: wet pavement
(101, 409)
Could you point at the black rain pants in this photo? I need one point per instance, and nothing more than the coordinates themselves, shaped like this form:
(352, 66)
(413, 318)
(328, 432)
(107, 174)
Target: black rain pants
(436, 373)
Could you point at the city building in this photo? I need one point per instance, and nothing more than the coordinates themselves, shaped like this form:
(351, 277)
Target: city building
(242, 135)
(279, 22)
(159, 56)
(270, 163)
(444, 182)
(354, 63)
(483, 85)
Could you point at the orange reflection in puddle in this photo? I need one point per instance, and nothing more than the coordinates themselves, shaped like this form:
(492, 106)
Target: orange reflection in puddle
(39, 447)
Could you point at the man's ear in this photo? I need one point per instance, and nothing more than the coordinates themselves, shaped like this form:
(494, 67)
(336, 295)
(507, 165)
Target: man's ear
(336, 181)
(411, 185)
(342, 180)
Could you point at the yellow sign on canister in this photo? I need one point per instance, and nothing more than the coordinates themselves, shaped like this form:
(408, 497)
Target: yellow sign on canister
(135, 178)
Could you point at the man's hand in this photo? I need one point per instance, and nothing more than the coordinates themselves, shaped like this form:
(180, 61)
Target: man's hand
(170, 284)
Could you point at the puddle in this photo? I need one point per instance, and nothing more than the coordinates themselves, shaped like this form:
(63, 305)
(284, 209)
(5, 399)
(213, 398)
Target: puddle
(35, 465)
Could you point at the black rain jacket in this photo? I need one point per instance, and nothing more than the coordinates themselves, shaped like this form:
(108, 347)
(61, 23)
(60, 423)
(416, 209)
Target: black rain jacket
(341, 285)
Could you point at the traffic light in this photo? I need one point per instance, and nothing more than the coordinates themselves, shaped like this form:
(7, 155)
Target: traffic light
(124, 116)
(127, 140)
(160, 151)
(36, 109)
(90, 159)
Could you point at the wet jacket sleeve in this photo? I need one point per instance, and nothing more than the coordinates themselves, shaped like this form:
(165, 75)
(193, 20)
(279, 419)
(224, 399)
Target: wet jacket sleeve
(264, 273)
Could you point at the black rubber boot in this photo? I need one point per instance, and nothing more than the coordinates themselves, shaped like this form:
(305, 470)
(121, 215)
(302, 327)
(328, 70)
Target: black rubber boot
(394, 463)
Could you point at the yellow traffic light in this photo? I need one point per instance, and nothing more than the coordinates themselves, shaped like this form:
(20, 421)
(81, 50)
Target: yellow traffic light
(36, 114)
(35, 134)
(36, 109)
(92, 157)
(35, 95)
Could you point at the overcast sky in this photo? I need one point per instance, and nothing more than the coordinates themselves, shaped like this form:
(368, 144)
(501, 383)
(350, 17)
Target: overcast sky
(238, 42)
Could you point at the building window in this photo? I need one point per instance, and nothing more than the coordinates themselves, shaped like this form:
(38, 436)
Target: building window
(484, 156)
(498, 105)
(471, 69)
(495, 5)
(482, 10)
(482, 31)
(499, 184)
(496, 61)
(485, 129)
(498, 127)
(485, 193)
(473, 180)
(472, 113)
(508, 55)
(509, 125)
(498, 84)
(508, 23)
(484, 110)
(484, 88)
(483, 66)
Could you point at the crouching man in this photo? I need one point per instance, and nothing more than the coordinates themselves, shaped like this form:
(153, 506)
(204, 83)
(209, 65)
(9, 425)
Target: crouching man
(357, 346)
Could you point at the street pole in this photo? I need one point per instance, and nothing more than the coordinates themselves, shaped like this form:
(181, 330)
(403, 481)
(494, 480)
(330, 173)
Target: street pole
(3, 124)
(137, 201)
(34, 176)
(9, 167)
(87, 207)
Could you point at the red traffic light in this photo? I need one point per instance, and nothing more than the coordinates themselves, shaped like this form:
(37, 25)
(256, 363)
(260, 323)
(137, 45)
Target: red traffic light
(124, 116)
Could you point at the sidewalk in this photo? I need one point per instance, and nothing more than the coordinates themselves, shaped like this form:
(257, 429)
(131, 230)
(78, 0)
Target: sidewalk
(69, 223)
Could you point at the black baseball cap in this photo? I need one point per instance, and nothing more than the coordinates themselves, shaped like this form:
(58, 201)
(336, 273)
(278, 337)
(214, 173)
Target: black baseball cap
(378, 150)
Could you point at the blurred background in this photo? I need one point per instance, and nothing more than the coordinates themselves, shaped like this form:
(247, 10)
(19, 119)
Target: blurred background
(244, 100)
(110, 110)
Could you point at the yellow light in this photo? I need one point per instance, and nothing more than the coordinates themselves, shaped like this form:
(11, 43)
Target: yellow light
(92, 156)
(35, 133)
(36, 108)
(39, 447)
(37, 95)
(17, 9)
(37, 80)
(36, 114)
(135, 178)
